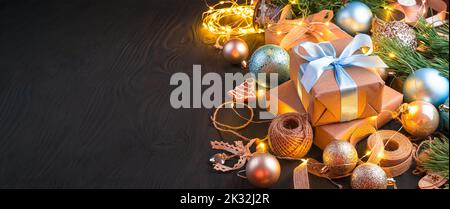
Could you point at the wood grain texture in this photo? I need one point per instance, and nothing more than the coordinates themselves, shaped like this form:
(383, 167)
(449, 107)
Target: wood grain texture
(84, 97)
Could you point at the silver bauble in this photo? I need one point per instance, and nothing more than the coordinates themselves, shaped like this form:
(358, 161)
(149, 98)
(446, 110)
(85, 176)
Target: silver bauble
(399, 30)
(262, 170)
(369, 176)
(427, 85)
(355, 17)
(235, 50)
(340, 157)
(269, 59)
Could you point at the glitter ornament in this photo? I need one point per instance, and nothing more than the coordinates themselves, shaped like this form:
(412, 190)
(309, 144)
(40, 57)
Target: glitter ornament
(369, 176)
(399, 30)
(269, 59)
(340, 157)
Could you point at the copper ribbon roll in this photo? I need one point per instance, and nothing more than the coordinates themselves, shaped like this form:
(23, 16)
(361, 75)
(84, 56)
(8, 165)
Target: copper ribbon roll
(398, 152)
(290, 136)
(437, 18)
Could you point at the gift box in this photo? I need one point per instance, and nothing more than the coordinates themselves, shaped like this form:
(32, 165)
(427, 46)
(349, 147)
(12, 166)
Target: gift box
(316, 28)
(323, 135)
(335, 86)
(289, 102)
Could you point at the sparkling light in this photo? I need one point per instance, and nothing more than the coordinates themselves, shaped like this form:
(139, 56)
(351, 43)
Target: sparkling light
(217, 20)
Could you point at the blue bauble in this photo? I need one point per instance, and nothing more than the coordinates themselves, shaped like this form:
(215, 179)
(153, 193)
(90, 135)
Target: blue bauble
(269, 59)
(443, 112)
(427, 85)
(355, 17)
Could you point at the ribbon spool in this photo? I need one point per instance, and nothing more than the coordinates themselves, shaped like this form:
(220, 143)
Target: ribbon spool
(435, 11)
(290, 135)
(398, 152)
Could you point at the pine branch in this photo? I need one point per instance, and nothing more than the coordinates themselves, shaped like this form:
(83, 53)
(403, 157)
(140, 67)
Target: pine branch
(434, 42)
(404, 59)
(303, 8)
(438, 160)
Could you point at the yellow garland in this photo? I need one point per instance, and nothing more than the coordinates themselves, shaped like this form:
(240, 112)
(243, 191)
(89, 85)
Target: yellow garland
(217, 20)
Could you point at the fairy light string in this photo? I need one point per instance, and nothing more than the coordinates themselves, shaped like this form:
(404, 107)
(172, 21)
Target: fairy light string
(229, 19)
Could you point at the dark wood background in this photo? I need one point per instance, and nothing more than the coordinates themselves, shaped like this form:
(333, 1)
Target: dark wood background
(84, 98)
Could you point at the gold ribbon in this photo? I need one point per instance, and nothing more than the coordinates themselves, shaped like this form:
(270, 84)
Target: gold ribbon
(316, 25)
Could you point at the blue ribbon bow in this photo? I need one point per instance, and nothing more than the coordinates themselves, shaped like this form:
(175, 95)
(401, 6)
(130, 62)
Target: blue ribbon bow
(322, 57)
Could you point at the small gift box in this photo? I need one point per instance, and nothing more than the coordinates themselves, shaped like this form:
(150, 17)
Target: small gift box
(287, 99)
(337, 88)
(316, 27)
(323, 135)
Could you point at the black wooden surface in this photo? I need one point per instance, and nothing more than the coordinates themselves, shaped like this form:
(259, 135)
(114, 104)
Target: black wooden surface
(84, 98)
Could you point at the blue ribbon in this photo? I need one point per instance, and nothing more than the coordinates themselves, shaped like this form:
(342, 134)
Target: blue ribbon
(322, 57)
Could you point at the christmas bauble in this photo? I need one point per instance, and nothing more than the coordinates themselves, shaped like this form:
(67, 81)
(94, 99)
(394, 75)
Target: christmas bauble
(443, 111)
(355, 17)
(428, 85)
(235, 50)
(269, 59)
(262, 170)
(369, 176)
(340, 157)
(420, 119)
(399, 30)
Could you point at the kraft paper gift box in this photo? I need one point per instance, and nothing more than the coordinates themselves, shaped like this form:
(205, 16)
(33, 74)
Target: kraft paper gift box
(288, 101)
(323, 135)
(316, 27)
(323, 102)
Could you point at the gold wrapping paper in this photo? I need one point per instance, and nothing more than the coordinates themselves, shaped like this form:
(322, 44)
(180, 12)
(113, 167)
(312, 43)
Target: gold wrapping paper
(323, 103)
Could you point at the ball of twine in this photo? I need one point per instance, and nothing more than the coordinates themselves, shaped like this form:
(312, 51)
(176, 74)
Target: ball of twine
(290, 135)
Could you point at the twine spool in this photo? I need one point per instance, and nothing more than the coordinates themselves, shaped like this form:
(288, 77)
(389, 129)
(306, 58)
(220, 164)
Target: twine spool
(290, 135)
(398, 152)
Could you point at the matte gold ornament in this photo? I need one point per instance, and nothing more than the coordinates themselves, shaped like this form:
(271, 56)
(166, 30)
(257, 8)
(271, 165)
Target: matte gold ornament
(369, 176)
(340, 157)
(263, 170)
(420, 118)
(235, 50)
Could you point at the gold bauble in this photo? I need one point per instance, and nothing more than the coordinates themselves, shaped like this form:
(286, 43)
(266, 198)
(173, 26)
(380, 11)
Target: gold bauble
(340, 157)
(262, 170)
(420, 119)
(235, 50)
(369, 176)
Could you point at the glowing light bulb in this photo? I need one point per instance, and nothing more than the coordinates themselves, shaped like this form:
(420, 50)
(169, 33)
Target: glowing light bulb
(391, 55)
(261, 147)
